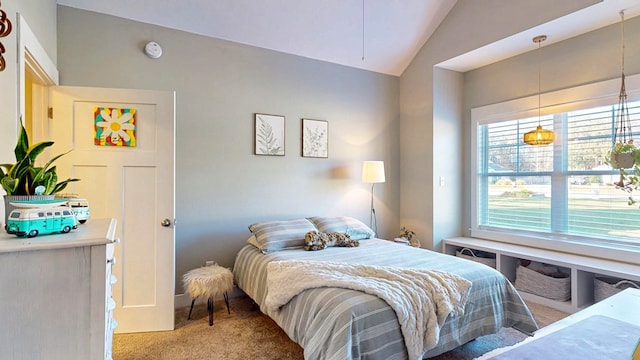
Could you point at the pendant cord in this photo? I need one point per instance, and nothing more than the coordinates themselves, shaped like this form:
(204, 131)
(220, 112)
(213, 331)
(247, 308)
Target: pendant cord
(622, 40)
(362, 30)
(539, 89)
(539, 39)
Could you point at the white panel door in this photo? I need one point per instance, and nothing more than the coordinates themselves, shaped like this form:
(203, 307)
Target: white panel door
(127, 175)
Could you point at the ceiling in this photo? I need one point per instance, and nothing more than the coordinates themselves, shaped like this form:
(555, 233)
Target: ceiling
(376, 35)
(602, 14)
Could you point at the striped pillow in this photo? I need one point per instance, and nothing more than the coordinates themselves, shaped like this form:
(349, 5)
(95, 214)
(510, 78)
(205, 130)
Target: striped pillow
(356, 229)
(279, 235)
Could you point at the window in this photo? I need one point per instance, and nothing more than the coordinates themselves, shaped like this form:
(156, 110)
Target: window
(563, 190)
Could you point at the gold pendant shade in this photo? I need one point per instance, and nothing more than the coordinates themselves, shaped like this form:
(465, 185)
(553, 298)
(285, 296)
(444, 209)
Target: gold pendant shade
(539, 136)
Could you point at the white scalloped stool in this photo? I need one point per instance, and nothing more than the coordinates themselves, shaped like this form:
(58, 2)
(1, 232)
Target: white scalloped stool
(208, 281)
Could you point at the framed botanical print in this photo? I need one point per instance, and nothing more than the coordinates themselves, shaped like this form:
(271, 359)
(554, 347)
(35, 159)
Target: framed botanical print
(315, 138)
(269, 135)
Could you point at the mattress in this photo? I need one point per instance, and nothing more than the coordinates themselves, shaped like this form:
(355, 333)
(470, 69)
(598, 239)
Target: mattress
(336, 323)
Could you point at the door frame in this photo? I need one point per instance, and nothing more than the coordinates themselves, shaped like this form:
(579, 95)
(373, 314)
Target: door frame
(36, 72)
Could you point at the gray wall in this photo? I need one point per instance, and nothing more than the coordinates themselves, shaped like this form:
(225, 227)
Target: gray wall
(447, 125)
(432, 127)
(221, 187)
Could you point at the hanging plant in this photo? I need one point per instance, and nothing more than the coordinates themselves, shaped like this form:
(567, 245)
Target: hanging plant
(623, 155)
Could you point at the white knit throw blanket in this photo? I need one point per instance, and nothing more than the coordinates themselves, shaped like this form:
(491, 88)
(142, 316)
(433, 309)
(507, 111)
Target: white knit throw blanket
(422, 299)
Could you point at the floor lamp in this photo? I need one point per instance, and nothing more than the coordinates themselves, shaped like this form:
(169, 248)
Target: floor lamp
(373, 173)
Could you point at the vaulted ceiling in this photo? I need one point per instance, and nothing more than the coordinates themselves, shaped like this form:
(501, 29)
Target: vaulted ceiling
(376, 35)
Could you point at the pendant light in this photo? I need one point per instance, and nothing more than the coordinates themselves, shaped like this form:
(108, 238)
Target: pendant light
(539, 136)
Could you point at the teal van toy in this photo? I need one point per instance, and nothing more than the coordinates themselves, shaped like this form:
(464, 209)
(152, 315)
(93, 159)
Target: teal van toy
(79, 205)
(32, 221)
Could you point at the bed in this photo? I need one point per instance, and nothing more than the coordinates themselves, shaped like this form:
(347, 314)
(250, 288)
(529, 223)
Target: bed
(340, 323)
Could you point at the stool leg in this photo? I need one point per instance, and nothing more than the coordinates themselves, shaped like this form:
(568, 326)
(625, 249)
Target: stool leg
(190, 310)
(210, 308)
(226, 300)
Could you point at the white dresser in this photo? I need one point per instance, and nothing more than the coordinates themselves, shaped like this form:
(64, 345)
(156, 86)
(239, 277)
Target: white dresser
(55, 294)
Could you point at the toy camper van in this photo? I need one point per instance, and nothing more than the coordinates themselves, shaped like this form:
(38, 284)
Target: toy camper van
(31, 221)
(79, 205)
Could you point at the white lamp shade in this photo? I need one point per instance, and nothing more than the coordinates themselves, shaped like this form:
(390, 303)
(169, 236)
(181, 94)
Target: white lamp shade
(373, 172)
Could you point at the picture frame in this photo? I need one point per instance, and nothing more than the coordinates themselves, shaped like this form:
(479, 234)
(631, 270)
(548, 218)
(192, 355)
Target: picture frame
(315, 138)
(269, 135)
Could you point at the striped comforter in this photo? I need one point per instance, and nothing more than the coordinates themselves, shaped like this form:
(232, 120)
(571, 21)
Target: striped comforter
(336, 323)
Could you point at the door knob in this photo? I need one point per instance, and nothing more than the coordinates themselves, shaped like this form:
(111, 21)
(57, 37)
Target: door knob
(165, 222)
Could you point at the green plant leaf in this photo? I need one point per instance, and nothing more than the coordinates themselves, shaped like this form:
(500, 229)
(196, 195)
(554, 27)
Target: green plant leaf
(37, 149)
(55, 158)
(46, 179)
(63, 184)
(9, 184)
(24, 176)
(22, 145)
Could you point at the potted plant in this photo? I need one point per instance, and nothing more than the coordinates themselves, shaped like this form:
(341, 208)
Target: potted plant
(408, 235)
(623, 155)
(24, 180)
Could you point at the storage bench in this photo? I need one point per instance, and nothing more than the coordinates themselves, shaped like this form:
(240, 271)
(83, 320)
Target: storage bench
(582, 269)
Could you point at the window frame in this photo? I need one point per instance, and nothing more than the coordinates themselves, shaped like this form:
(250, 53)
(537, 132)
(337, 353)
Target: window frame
(585, 96)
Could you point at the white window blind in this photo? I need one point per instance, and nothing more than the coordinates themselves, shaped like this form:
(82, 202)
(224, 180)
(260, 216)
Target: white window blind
(561, 189)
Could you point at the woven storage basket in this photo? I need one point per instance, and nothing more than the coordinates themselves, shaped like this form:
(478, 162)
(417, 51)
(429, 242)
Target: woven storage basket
(467, 253)
(603, 287)
(533, 282)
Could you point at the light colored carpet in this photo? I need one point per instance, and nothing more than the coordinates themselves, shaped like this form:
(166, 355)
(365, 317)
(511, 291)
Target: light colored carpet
(246, 333)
